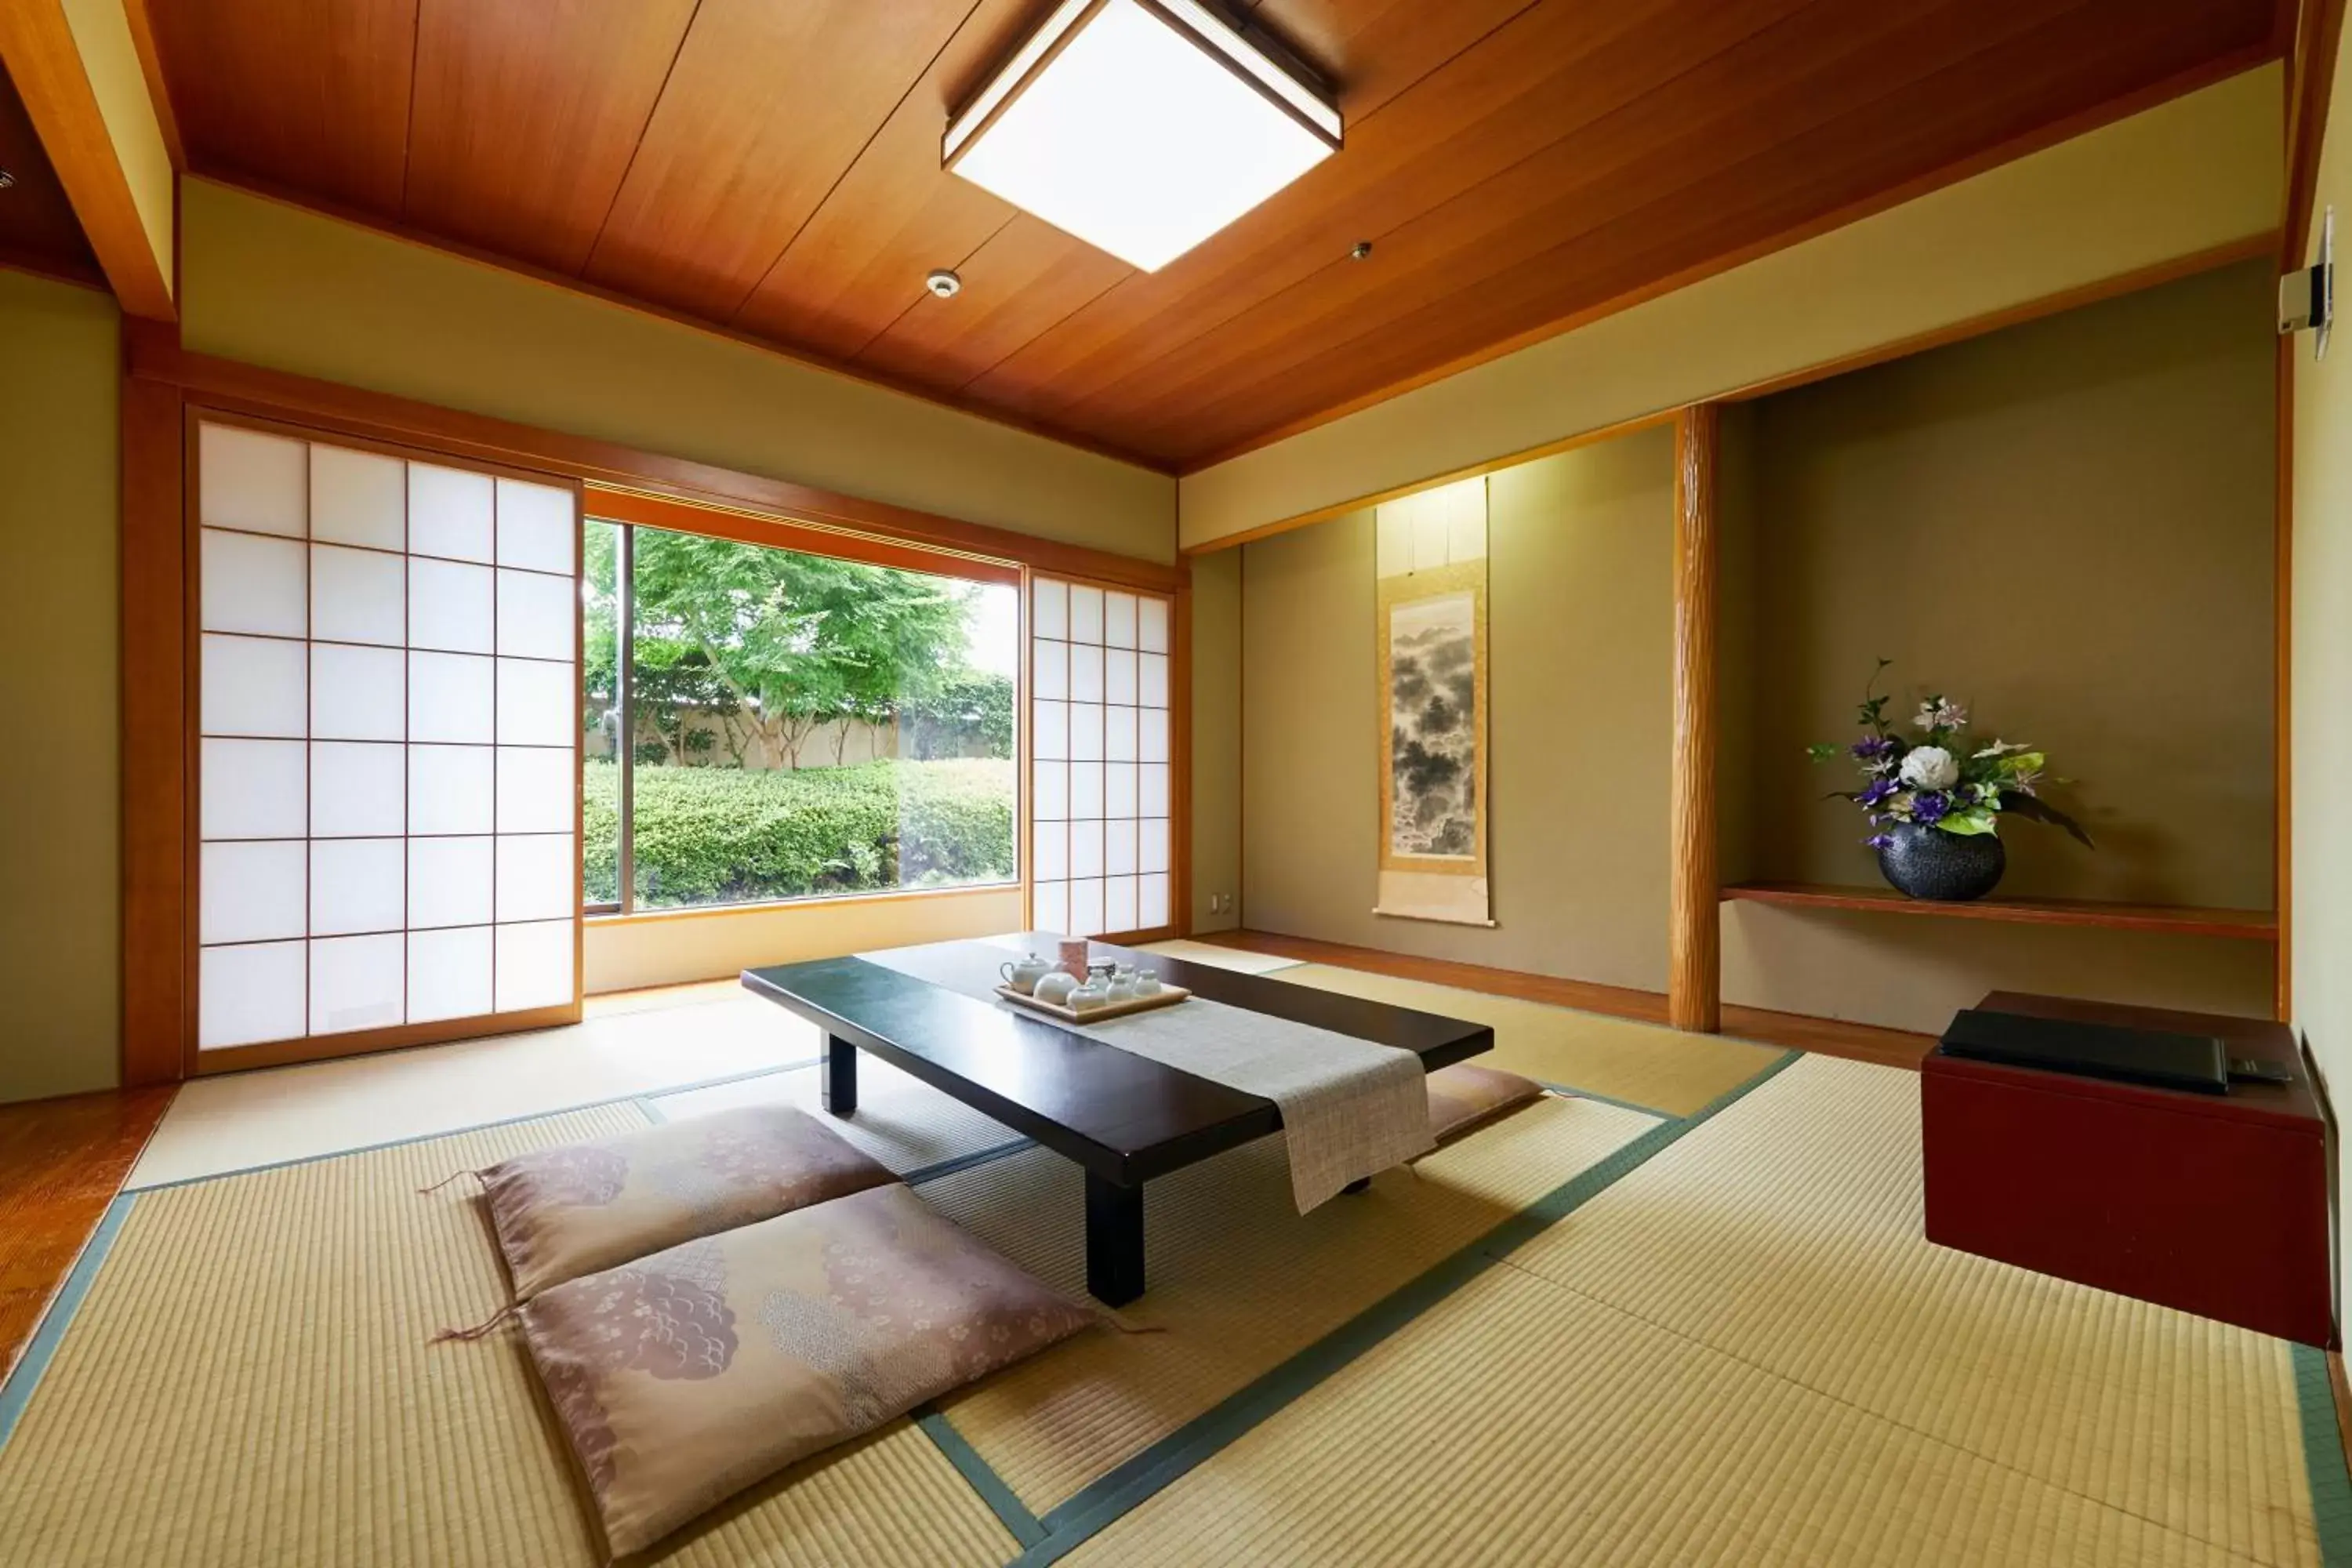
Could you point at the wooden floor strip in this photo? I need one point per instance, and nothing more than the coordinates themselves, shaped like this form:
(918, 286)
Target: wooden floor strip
(61, 1163)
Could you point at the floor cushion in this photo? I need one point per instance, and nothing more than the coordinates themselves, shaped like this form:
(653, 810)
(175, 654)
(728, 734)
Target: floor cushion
(563, 1212)
(1465, 1095)
(682, 1378)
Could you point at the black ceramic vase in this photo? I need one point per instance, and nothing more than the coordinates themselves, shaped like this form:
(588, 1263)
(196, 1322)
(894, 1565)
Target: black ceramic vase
(1929, 863)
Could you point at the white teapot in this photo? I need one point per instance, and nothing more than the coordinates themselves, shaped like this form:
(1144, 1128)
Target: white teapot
(1024, 974)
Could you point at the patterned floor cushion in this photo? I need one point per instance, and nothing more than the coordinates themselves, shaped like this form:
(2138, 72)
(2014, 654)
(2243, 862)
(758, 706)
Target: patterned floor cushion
(563, 1212)
(682, 1378)
(1465, 1095)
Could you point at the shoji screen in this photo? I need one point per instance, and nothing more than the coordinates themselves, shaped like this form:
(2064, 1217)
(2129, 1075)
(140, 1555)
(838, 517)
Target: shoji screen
(1099, 786)
(388, 728)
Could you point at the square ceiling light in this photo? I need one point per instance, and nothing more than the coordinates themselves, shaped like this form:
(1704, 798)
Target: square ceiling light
(1140, 126)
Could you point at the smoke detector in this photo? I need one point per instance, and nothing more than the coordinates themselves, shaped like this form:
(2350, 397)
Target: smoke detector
(944, 283)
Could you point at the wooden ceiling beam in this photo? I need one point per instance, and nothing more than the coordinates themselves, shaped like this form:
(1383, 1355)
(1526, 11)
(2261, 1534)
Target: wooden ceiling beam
(86, 92)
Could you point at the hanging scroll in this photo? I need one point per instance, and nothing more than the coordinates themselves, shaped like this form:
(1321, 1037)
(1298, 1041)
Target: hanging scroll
(1431, 594)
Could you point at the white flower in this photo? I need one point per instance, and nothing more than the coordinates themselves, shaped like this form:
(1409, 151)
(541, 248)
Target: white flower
(1941, 714)
(2004, 748)
(1930, 767)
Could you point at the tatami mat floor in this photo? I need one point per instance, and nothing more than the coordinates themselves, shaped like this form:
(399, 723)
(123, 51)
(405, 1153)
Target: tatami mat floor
(1742, 1352)
(1697, 1326)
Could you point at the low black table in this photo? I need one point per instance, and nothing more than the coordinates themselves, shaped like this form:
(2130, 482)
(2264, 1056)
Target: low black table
(1125, 1117)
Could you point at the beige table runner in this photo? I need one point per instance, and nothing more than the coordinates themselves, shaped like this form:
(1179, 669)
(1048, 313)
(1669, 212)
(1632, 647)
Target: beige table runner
(1350, 1107)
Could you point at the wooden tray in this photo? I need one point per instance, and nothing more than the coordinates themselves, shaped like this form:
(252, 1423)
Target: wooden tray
(1168, 997)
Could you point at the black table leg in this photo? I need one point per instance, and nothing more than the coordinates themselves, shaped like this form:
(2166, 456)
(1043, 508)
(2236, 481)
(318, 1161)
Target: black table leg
(1114, 1241)
(839, 1088)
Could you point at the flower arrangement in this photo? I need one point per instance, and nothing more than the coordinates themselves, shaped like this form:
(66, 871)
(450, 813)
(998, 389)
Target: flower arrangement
(1941, 780)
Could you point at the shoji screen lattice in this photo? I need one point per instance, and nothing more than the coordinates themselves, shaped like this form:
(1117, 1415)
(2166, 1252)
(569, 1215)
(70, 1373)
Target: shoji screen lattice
(1099, 786)
(389, 723)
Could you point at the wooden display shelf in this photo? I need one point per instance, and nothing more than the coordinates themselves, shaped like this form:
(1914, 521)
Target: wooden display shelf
(2252, 925)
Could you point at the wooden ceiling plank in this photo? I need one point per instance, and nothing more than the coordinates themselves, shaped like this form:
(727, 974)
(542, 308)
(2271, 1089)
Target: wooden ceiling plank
(767, 106)
(53, 82)
(1377, 50)
(309, 94)
(1014, 287)
(857, 265)
(38, 231)
(1398, 41)
(1526, 86)
(1665, 239)
(1517, 163)
(1770, 86)
(525, 114)
(1996, 98)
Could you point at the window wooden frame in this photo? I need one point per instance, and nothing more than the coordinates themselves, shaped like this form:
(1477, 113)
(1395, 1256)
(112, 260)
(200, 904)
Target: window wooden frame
(161, 382)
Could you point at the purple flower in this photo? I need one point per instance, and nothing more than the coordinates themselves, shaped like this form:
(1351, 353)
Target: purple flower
(1929, 805)
(1871, 746)
(1878, 789)
(1879, 841)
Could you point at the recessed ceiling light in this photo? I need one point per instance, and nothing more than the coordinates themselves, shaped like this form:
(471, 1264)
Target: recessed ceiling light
(943, 283)
(1140, 126)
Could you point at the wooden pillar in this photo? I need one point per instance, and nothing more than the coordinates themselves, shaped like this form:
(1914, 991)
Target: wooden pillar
(157, 1003)
(1694, 965)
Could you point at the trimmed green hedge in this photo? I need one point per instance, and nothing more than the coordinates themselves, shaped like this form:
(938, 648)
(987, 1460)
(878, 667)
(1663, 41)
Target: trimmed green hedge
(723, 835)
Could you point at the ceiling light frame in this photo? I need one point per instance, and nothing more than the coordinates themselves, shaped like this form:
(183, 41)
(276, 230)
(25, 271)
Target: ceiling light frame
(1261, 65)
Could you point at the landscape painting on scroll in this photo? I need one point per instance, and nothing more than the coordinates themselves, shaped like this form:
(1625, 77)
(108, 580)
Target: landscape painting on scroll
(1431, 594)
(1434, 727)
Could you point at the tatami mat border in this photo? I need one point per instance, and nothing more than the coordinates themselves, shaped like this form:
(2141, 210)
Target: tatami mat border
(640, 1098)
(17, 1392)
(1011, 1511)
(949, 1167)
(1568, 1092)
(1101, 1504)
(2323, 1458)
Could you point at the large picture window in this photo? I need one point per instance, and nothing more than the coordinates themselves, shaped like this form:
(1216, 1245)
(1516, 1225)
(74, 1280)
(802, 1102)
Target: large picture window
(765, 724)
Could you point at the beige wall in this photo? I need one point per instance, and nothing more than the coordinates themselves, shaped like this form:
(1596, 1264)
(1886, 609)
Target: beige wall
(1216, 740)
(661, 949)
(60, 912)
(2199, 171)
(1580, 622)
(2322, 621)
(276, 286)
(2068, 525)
